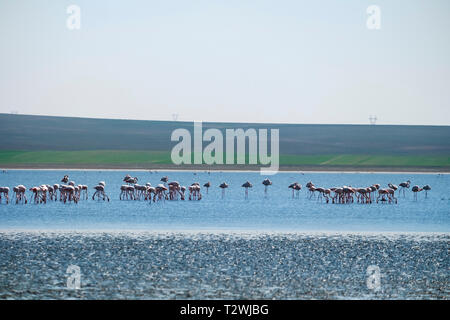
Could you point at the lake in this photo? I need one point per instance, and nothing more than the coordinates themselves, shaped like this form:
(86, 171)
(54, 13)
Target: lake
(274, 247)
(278, 212)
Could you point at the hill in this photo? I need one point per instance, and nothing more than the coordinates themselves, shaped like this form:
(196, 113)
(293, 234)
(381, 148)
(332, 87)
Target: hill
(43, 140)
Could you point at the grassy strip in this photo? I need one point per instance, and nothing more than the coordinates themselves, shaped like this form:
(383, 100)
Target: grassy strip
(115, 157)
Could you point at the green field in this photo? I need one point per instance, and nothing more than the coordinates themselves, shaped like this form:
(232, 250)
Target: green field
(151, 158)
(45, 142)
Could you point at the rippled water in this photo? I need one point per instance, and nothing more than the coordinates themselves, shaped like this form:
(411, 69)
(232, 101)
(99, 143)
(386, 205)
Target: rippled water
(277, 212)
(257, 248)
(223, 266)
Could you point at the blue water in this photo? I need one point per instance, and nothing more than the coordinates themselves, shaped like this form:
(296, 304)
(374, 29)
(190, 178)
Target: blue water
(278, 212)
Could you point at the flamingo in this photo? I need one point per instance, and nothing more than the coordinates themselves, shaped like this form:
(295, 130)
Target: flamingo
(20, 195)
(311, 190)
(415, 190)
(382, 193)
(84, 189)
(362, 195)
(297, 188)
(141, 190)
(194, 191)
(321, 191)
(174, 190)
(207, 185)
(100, 191)
(309, 184)
(310, 187)
(426, 188)
(5, 191)
(131, 180)
(404, 185)
(55, 189)
(68, 193)
(65, 179)
(164, 179)
(293, 186)
(35, 194)
(393, 186)
(223, 186)
(51, 191)
(150, 190)
(338, 195)
(327, 194)
(182, 191)
(247, 185)
(125, 192)
(266, 182)
(391, 195)
(160, 192)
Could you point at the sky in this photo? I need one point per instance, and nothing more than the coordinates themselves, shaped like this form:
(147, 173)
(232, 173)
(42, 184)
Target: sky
(228, 60)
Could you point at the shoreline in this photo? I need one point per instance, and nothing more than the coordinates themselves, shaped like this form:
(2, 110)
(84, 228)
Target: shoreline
(232, 168)
(228, 233)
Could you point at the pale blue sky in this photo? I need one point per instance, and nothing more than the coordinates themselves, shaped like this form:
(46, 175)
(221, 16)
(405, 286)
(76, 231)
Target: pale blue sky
(228, 60)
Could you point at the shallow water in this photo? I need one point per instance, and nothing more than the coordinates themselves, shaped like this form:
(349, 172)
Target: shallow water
(277, 212)
(233, 248)
(223, 266)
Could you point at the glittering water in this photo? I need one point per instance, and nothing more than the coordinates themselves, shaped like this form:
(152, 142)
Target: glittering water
(223, 266)
(271, 248)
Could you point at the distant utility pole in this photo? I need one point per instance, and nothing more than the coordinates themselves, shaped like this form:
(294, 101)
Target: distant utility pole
(373, 120)
(175, 116)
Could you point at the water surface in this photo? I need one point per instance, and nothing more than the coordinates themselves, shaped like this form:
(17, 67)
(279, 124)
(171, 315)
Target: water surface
(273, 247)
(277, 212)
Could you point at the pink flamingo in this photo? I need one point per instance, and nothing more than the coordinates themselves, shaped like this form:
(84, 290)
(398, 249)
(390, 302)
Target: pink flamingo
(126, 191)
(5, 192)
(174, 190)
(160, 193)
(363, 195)
(194, 191)
(393, 186)
(311, 188)
(183, 191)
(100, 191)
(20, 195)
(295, 187)
(415, 190)
(403, 186)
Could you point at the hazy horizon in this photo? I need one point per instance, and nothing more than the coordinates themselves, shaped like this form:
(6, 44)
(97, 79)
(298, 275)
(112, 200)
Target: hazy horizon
(225, 122)
(293, 62)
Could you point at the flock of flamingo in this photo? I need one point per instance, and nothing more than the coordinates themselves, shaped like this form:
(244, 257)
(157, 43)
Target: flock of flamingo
(69, 191)
(347, 194)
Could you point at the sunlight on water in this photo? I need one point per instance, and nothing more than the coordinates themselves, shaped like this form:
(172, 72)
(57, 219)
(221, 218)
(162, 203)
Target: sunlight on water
(232, 248)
